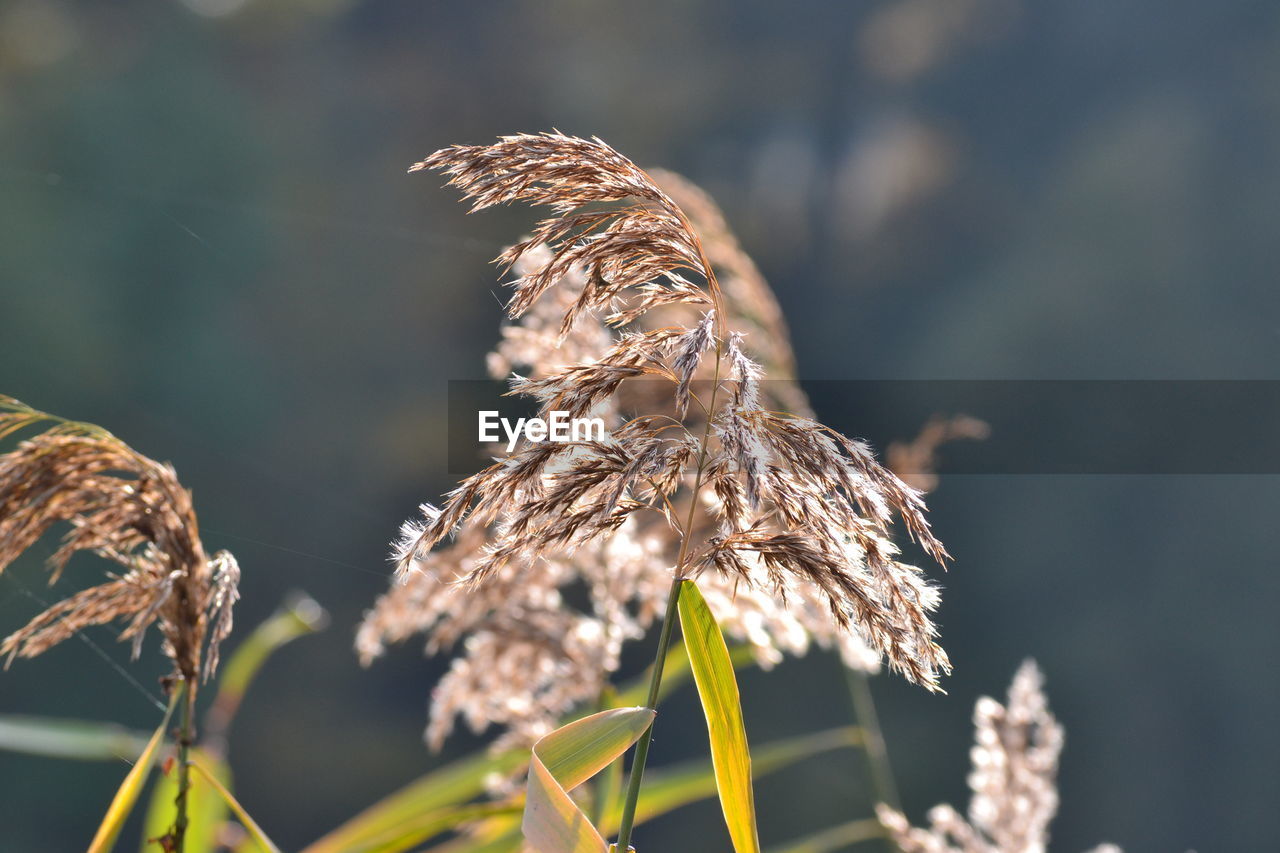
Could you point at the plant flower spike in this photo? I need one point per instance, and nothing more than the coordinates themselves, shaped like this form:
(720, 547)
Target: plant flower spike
(131, 510)
(528, 659)
(1014, 781)
(706, 480)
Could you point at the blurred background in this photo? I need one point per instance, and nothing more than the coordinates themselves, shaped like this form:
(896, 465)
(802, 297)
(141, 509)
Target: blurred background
(208, 244)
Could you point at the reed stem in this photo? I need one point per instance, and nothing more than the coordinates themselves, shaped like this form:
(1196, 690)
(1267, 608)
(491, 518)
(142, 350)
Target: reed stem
(673, 597)
(642, 747)
(878, 767)
(668, 620)
(186, 735)
(864, 708)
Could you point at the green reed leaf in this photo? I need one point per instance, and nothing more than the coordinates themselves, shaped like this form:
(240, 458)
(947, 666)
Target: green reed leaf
(127, 795)
(565, 759)
(451, 785)
(298, 616)
(665, 789)
(251, 826)
(80, 740)
(837, 837)
(718, 690)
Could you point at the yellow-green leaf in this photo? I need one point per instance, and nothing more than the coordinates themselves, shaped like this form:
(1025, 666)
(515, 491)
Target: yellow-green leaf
(410, 834)
(451, 785)
(401, 814)
(251, 826)
(671, 787)
(665, 789)
(127, 795)
(502, 839)
(718, 689)
(564, 759)
(675, 672)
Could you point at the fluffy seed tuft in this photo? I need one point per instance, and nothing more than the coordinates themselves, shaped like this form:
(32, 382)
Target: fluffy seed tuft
(619, 311)
(1014, 781)
(129, 509)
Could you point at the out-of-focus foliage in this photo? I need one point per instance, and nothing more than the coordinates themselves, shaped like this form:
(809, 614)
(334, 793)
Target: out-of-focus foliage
(83, 740)
(255, 833)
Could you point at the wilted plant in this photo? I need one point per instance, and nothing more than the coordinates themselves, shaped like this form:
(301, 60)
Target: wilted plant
(766, 501)
(130, 509)
(1014, 781)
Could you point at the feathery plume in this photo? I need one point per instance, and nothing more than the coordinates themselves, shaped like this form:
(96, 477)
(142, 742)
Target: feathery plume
(619, 311)
(129, 509)
(1014, 781)
(528, 657)
(916, 461)
(638, 240)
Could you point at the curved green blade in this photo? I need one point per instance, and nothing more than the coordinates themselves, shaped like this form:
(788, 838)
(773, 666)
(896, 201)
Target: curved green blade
(298, 616)
(564, 759)
(718, 690)
(127, 795)
(837, 837)
(251, 826)
(402, 811)
(665, 789)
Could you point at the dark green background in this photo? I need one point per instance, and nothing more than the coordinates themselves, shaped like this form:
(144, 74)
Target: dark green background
(208, 243)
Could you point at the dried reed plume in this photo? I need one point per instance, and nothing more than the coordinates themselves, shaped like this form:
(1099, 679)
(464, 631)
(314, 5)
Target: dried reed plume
(916, 461)
(785, 523)
(129, 509)
(1014, 781)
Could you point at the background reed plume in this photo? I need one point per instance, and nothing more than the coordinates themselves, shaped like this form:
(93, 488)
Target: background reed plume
(916, 461)
(785, 523)
(1014, 781)
(128, 509)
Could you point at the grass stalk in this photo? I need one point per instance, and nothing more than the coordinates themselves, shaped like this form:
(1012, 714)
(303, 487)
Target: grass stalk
(880, 771)
(864, 708)
(642, 747)
(186, 736)
(673, 597)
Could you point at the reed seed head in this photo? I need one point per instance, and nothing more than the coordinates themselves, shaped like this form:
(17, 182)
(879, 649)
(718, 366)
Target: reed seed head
(624, 308)
(1014, 781)
(129, 509)
(916, 461)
